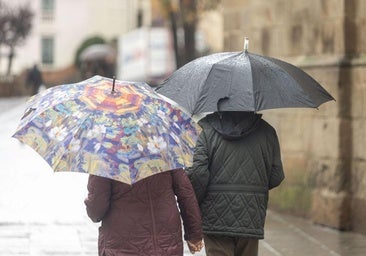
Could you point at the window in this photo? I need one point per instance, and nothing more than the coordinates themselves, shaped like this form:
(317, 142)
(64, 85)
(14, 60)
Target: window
(48, 10)
(47, 50)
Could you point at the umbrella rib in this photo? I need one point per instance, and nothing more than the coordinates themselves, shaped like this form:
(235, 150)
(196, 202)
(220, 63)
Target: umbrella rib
(73, 139)
(255, 100)
(51, 106)
(304, 91)
(201, 94)
(196, 105)
(283, 95)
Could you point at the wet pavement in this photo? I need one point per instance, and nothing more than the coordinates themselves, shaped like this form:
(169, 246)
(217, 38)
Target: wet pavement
(288, 235)
(285, 236)
(42, 213)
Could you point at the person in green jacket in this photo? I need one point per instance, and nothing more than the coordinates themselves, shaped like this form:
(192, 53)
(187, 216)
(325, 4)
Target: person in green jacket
(236, 162)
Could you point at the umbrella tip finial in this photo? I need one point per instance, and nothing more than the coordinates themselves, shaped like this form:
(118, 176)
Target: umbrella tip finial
(246, 44)
(114, 81)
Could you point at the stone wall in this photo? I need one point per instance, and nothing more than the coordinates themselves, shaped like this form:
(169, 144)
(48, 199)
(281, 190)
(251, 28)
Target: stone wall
(322, 150)
(358, 142)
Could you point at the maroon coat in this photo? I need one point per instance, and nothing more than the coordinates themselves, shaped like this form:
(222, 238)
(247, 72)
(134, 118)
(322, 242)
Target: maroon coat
(144, 219)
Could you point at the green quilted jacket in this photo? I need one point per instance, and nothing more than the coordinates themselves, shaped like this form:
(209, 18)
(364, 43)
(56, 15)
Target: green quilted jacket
(236, 162)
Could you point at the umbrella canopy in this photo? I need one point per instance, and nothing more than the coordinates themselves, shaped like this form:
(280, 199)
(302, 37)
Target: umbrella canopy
(97, 51)
(241, 81)
(115, 129)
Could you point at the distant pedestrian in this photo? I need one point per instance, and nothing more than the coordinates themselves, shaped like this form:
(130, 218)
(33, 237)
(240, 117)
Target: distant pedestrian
(34, 79)
(143, 219)
(236, 162)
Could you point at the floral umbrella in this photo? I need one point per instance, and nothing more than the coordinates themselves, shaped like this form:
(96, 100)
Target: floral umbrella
(115, 129)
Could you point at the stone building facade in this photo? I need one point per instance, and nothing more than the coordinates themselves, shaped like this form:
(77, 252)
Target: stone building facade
(323, 150)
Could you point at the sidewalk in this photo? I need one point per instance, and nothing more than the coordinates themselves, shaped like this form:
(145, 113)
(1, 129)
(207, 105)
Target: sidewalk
(48, 239)
(291, 236)
(285, 236)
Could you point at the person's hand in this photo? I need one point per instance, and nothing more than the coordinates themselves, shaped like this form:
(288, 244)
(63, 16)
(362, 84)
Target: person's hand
(195, 246)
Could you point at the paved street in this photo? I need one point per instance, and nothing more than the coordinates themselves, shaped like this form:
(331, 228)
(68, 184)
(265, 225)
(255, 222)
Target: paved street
(42, 213)
(285, 236)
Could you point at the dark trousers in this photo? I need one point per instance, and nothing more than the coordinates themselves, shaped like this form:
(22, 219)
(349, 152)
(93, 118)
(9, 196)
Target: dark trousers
(230, 246)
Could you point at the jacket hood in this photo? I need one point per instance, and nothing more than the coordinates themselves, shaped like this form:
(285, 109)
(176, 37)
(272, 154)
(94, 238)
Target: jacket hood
(233, 125)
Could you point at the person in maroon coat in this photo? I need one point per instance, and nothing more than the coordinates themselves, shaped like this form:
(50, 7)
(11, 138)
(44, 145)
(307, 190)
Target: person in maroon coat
(144, 219)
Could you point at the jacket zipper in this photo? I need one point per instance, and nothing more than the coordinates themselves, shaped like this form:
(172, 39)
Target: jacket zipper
(153, 221)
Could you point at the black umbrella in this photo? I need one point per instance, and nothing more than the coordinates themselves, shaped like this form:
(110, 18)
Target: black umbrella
(242, 81)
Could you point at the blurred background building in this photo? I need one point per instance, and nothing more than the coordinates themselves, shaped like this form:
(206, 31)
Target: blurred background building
(323, 150)
(61, 29)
